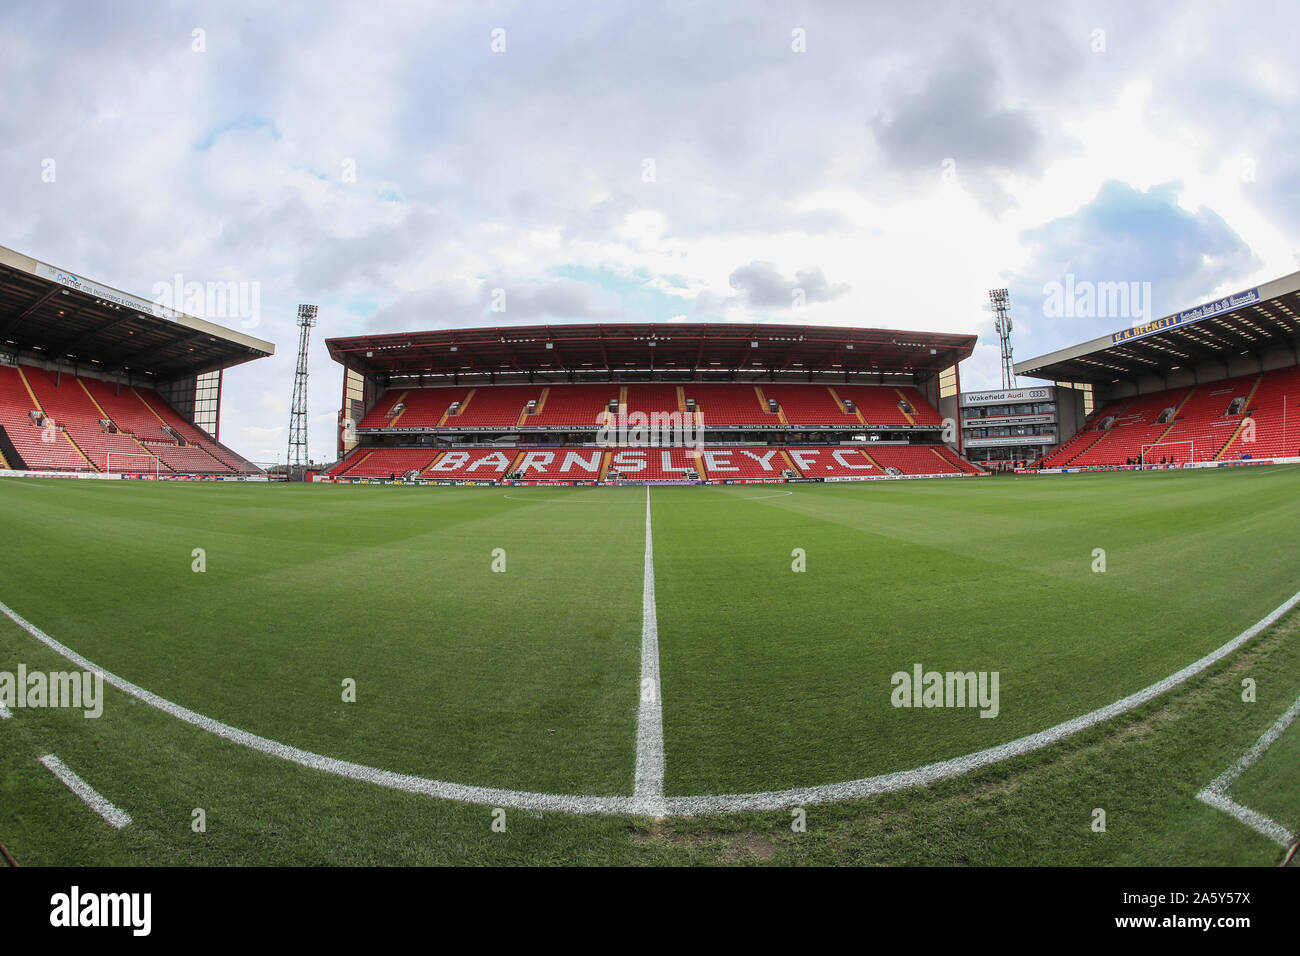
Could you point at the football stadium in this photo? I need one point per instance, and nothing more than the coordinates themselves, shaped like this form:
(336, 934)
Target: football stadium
(753, 439)
(651, 593)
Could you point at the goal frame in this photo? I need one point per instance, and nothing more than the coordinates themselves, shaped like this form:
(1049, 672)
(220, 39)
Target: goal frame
(155, 469)
(1161, 444)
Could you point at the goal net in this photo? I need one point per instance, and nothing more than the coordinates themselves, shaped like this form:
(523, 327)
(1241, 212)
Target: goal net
(118, 463)
(1174, 451)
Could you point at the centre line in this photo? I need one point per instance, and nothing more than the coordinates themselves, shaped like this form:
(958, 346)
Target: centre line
(648, 791)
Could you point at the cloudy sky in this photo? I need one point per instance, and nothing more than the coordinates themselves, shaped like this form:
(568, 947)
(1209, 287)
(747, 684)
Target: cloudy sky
(880, 164)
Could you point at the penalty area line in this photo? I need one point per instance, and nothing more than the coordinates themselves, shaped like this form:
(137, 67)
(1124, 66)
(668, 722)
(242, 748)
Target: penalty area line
(115, 817)
(1215, 793)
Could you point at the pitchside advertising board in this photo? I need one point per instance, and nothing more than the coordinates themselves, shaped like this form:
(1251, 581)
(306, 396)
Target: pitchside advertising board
(126, 476)
(542, 429)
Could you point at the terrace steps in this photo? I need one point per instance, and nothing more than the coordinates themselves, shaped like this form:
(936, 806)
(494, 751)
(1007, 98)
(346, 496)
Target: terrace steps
(1173, 419)
(762, 403)
(906, 414)
(368, 455)
(844, 408)
(537, 410)
(400, 398)
(1245, 417)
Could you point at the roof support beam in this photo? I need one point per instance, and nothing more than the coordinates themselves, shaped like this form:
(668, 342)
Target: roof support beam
(32, 306)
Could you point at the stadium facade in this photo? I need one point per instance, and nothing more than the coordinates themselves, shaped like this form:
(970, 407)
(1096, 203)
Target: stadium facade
(1005, 429)
(649, 402)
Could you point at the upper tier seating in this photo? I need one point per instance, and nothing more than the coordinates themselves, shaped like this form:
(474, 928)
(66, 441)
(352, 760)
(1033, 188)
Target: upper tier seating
(923, 413)
(427, 407)
(720, 405)
(878, 404)
(653, 398)
(497, 406)
(573, 406)
(809, 405)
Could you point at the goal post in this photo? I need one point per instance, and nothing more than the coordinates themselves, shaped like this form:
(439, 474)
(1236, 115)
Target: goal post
(121, 463)
(1188, 446)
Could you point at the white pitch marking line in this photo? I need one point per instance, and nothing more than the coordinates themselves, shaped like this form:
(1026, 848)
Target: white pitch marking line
(485, 796)
(1216, 791)
(572, 499)
(648, 790)
(674, 806)
(116, 818)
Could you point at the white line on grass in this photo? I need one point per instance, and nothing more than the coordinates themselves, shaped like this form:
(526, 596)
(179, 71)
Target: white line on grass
(4, 712)
(571, 499)
(1216, 791)
(672, 806)
(488, 796)
(930, 773)
(649, 787)
(116, 818)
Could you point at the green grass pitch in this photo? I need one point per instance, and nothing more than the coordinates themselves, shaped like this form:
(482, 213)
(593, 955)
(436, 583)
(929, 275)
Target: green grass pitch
(772, 678)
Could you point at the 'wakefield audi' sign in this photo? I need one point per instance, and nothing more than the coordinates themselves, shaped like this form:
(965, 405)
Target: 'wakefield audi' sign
(1007, 396)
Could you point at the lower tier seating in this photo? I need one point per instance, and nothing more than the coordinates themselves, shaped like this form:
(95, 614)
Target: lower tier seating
(1255, 415)
(62, 422)
(740, 462)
